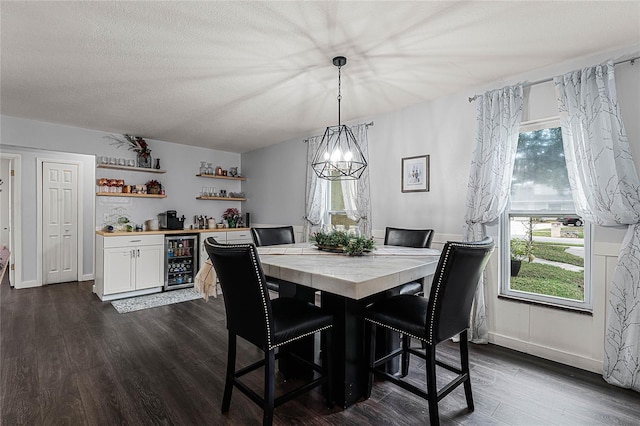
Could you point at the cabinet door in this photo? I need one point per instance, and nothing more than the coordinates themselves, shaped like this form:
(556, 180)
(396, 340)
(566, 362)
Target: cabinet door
(221, 237)
(149, 270)
(118, 270)
(239, 237)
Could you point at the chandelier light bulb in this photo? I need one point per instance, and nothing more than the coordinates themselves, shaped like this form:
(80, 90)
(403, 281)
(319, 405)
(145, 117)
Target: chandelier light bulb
(348, 156)
(335, 156)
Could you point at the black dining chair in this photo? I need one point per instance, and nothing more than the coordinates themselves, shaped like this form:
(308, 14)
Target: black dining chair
(417, 238)
(441, 316)
(270, 237)
(273, 236)
(268, 324)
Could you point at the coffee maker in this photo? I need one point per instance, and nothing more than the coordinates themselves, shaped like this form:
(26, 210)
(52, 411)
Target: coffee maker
(170, 220)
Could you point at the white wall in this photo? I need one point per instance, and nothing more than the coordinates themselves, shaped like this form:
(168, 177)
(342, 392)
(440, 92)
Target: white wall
(34, 139)
(445, 130)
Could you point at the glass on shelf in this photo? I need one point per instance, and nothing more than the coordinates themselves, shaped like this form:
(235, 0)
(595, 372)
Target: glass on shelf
(209, 168)
(203, 167)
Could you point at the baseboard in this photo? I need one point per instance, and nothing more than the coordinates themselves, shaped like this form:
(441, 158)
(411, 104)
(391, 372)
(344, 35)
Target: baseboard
(27, 284)
(34, 283)
(110, 297)
(574, 360)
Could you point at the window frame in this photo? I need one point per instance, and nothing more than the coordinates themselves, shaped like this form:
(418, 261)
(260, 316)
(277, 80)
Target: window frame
(329, 212)
(505, 255)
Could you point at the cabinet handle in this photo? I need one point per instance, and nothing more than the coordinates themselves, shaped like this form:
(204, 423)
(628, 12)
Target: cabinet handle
(135, 241)
(138, 255)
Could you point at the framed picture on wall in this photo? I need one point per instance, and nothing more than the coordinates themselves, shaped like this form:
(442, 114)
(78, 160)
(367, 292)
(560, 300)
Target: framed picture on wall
(415, 174)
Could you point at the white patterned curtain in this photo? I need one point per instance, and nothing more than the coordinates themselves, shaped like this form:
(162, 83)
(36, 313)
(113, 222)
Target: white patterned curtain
(316, 193)
(498, 119)
(356, 193)
(606, 191)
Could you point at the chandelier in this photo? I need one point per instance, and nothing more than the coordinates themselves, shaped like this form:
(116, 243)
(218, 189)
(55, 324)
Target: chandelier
(339, 156)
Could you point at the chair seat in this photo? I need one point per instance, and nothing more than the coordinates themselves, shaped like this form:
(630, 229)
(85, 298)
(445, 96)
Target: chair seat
(405, 313)
(293, 318)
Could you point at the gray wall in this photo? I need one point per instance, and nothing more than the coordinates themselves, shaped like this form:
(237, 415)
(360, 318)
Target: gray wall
(33, 138)
(445, 129)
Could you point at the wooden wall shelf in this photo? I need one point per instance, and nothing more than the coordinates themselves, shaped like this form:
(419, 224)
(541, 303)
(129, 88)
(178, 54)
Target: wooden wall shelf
(131, 169)
(222, 177)
(221, 198)
(123, 194)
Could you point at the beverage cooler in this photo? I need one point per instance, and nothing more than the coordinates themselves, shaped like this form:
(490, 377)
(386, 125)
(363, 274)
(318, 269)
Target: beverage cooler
(181, 261)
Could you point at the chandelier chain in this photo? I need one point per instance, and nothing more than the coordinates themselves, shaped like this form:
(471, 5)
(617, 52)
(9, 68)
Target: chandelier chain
(339, 91)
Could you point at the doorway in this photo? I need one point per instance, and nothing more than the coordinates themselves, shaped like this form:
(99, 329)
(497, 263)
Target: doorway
(10, 215)
(60, 227)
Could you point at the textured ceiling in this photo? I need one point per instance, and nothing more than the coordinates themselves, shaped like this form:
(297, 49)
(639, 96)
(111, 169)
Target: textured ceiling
(237, 76)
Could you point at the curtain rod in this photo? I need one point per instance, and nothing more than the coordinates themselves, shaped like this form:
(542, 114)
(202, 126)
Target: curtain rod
(366, 124)
(546, 80)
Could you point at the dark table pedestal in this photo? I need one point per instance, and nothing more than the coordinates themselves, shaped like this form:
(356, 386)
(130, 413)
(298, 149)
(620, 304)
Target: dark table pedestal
(350, 360)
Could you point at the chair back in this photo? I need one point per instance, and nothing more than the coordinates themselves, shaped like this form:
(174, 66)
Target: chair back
(246, 298)
(418, 238)
(272, 236)
(454, 286)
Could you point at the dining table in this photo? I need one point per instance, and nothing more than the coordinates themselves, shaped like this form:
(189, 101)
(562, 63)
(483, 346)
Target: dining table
(346, 284)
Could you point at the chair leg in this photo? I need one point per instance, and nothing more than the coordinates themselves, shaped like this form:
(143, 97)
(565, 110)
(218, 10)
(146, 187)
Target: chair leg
(269, 386)
(406, 342)
(464, 362)
(231, 368)
(371, 335)
(432, 390)
(328, 361)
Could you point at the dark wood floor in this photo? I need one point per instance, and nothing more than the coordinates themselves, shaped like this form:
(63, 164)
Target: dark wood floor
(68, 358)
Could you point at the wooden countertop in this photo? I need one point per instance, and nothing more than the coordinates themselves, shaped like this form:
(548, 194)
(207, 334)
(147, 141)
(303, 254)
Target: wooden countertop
(169, 231)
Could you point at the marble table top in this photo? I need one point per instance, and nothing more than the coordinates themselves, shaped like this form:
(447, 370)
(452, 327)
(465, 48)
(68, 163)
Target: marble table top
(355, 277)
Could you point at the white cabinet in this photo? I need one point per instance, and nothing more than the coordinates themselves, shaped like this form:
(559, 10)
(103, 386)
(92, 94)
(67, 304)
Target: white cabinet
(239, 237)
(224, 237)
(220, 237)
(126, 264)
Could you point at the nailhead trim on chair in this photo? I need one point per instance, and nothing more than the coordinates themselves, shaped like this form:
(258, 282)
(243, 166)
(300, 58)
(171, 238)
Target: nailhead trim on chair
(437, 293)
(256, 270)
(397, 330)
(262, 295)
(299, 337)
(252, 251)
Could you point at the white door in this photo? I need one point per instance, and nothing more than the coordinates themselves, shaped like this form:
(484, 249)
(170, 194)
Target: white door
(60, 222)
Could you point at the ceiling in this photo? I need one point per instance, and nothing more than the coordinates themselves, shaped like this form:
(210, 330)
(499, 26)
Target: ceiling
(237, 76)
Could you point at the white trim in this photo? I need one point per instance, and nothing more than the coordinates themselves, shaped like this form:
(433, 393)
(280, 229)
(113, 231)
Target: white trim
(546, 352)
(542, 123)
(504, 287)
(116, 296)
(79, 220)
(15, 274)
(607, 249)
(29, 284)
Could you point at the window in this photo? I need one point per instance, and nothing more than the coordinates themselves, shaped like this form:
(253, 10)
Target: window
(336, 214)
(545, 245)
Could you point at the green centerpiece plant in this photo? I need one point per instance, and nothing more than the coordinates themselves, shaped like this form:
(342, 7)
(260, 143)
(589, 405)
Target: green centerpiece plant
(340, 241)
